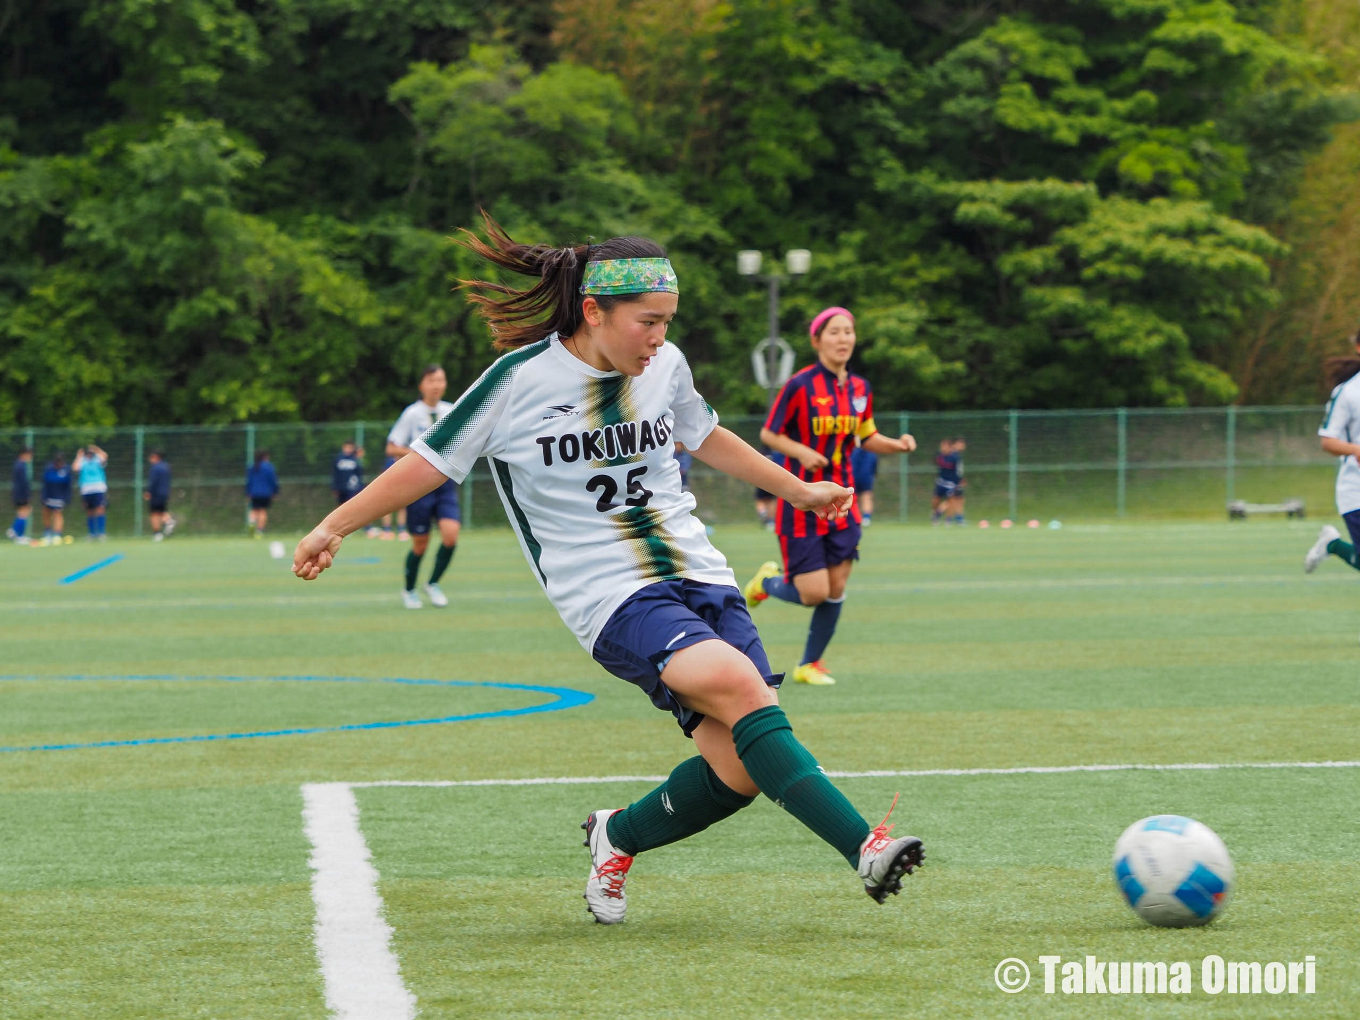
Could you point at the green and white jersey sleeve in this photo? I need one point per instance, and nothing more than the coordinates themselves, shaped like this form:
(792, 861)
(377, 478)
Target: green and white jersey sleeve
(1342, 421)
(415, 421)
(584, 462)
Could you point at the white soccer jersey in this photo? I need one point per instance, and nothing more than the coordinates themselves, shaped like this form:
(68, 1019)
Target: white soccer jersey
(585, 466)
(1342, 421)
(415, 421)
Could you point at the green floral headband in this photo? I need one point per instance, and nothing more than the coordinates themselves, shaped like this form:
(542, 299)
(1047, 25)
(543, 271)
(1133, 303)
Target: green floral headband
(629, 276)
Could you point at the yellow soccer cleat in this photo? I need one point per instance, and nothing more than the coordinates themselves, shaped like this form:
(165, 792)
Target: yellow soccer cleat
(813, 673)
(755, 588)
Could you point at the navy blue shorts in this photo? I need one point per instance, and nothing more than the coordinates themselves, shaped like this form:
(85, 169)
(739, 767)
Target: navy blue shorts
(94, 500)
(1352, 520)
(657, 621)
(817, 552)
(261, 502)
(944, 490)
(864, 466)
(442, 504)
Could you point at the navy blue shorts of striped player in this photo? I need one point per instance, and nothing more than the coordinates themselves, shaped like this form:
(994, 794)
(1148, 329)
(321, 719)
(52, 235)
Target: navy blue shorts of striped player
(944, 490)
(657, 621)
(817, 552)
(442, 504)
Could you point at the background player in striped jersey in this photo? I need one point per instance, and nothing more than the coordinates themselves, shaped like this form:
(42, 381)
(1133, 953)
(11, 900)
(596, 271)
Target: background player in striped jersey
(440, 505)
(577, 423)
(819, 415)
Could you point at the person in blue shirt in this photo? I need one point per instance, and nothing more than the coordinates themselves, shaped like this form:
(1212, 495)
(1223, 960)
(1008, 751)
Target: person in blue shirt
(864, 466)
(262, 485)
(157, 496)
(347, 475)
(946, 480)
(94, 489)
(56, 493)
(685, 460)
(21, 490)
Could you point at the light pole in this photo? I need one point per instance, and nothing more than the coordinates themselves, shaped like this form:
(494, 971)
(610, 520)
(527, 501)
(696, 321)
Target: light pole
(772, 358)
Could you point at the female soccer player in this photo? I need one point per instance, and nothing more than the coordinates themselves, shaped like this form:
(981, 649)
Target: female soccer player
(56, 493)
(577, 422)
(440, 505)
(1340, 432)
(21, 492)
(262, 485)
(89, 467)
(820, 413)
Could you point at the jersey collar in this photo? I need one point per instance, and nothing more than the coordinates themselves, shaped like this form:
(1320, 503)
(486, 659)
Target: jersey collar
(565, 357)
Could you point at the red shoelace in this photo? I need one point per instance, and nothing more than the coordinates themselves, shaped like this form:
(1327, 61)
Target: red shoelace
(614, 872)
(880, 838)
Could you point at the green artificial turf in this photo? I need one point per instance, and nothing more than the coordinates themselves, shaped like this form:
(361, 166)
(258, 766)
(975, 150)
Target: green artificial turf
(171, 880)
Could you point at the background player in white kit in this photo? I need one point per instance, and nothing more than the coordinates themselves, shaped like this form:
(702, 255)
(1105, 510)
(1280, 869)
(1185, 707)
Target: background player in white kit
(441, 505)
(1340, 434)
(577, 423)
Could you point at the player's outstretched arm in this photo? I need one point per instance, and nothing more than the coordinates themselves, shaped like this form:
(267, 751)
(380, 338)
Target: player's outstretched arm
(879, 443)
(805, 455)
(400, 485)
(728, 453)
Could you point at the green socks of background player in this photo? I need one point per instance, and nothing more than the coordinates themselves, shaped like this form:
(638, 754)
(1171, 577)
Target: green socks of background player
(1344, 550)
(441, 564)
(689, 801)
(693, 797)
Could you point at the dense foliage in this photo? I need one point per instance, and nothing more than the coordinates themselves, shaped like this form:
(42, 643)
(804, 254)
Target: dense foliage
(213, 210)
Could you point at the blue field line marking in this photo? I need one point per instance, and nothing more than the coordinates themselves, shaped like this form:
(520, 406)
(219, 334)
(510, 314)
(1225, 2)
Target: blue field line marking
(72, 578)
(566, 697)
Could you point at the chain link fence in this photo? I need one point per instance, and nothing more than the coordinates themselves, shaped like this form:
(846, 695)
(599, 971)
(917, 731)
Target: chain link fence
(1065, 465)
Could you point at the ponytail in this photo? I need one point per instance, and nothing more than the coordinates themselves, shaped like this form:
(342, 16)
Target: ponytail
(1344, 366)
(517, 318)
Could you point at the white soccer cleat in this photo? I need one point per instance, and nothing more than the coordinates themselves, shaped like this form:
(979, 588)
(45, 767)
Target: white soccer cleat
(410, 599)
(884, 860)
(170, 523)
(158, 537)
(1318, 553)
(437, 596)
(604, 895)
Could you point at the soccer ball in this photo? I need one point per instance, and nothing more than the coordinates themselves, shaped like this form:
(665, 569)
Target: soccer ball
(1175, 872)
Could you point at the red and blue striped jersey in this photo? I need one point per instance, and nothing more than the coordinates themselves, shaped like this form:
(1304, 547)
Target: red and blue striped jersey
(818, 410)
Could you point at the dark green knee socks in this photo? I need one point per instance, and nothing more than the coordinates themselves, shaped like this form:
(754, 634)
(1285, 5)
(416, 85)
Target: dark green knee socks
(691, 800)
(412, 566)
(791, 777)
(441, 562)
(1345, 551)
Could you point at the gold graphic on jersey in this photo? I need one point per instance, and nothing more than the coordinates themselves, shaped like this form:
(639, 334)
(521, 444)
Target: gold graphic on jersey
(655, 552)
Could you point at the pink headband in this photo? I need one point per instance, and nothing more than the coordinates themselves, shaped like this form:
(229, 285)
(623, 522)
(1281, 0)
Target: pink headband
(827, 313)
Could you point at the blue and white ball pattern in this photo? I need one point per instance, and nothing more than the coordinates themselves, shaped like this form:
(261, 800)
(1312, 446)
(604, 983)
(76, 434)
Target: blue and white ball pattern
(1174, 871)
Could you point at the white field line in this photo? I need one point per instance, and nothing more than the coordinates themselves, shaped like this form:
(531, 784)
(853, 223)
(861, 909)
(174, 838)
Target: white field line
(133, 604)
(889, 773)
(361, 974)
